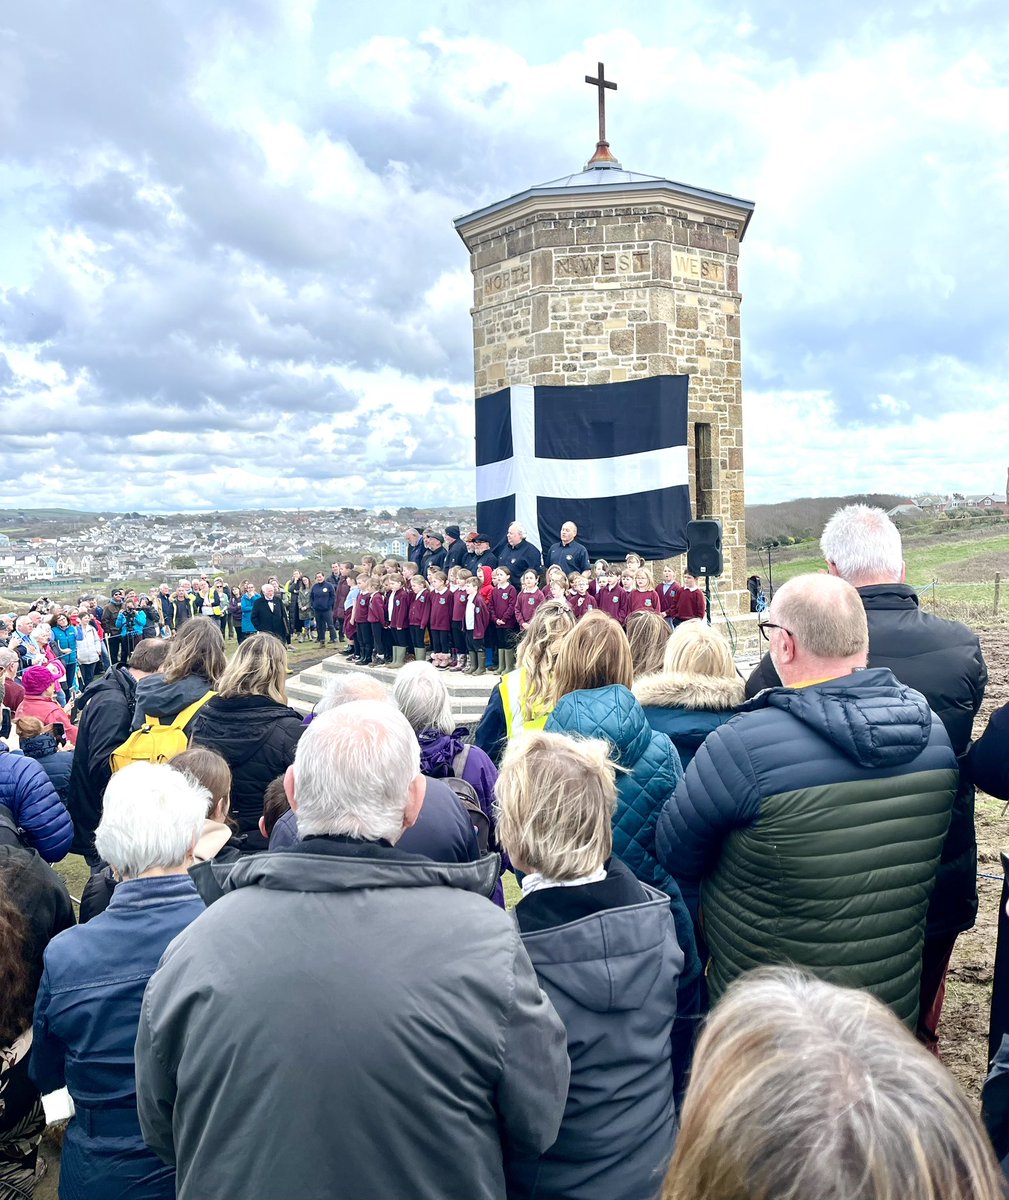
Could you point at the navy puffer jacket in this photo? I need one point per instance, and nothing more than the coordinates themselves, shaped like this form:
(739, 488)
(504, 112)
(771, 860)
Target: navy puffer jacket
(57, 764)
(811, 825)
(35, 806)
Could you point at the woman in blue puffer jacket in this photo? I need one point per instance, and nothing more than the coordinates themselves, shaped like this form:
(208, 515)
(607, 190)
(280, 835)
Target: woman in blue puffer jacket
(34, 807)
(592, 682)
(249, 597)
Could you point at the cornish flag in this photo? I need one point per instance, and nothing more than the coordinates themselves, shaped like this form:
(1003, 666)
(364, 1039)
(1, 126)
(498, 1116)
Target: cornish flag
(610, 457)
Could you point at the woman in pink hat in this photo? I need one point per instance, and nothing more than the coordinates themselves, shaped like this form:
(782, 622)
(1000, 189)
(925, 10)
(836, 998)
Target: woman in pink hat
(39, 684)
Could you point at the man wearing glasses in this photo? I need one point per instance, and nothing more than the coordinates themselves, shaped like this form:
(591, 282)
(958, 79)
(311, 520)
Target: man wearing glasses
(942, 660)
(808, 829)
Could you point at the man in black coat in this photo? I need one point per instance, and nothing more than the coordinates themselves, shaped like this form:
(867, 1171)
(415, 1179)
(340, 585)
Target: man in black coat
(519, 555)
(103, 725)
(942, 660)
(434, 554)
(481, 555)
(269, 615)
(414, 539)
(455, 548)
(568, 554)
(989, 756)
(323, 601)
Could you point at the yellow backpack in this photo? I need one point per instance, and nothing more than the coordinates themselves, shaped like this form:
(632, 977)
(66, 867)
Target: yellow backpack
(154, 742)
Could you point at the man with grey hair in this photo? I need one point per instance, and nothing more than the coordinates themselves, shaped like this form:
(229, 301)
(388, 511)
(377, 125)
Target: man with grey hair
(443, 831)
(365, 1017)
(942, 660)
(519, 554)
(808, 829)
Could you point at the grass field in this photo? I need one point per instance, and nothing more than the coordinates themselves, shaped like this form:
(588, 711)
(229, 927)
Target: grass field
(952, 569)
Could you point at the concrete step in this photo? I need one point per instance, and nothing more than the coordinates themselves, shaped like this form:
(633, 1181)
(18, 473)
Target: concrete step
(468, 695)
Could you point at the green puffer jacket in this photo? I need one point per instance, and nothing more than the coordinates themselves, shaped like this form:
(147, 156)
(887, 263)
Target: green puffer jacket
(810, 828)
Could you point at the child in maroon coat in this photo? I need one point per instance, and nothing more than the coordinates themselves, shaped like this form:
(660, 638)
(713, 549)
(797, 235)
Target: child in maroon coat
(377, 620)
(668, 594)
(441, 619)
(690, 604)
(420, 616)
(503, 619)
(457, 578)
(644, 595)
(476, 622)
(362, 626)
(342, 592)
(600, 573)
(528, 600)
(397, 612)
(611, 597)
(579, 599)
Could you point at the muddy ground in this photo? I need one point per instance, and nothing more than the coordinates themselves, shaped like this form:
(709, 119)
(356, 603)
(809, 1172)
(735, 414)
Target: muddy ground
(963, 1032)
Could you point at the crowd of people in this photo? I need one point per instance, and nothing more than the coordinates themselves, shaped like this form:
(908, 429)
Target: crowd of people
(294, 974)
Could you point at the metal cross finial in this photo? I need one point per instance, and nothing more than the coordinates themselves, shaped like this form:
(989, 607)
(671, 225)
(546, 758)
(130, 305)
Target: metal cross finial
(602, 153)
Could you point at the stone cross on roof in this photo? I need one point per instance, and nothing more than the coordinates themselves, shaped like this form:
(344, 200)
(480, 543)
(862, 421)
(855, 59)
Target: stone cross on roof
(602, 155)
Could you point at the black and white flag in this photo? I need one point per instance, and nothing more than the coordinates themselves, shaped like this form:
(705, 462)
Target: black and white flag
(610, 457)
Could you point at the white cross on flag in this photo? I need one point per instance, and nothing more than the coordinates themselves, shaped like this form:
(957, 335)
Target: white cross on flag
(610, 457)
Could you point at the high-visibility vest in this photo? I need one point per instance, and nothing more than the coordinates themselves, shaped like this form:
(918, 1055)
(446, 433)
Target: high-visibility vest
(512, 687)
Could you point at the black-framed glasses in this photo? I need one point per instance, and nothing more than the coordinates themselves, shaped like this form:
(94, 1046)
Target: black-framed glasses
(764, 626)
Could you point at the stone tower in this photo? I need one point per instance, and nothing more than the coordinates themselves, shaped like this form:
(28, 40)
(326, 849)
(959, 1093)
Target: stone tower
(606, 276)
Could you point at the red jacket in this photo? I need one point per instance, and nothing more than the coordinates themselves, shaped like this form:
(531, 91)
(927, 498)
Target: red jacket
(502, 607)
(649, 601)
(400, 605)
(690, 603)
(441, 610)
(420, 610)
(580, 605)
(613, 602)
(376, 609)
(668, 593)
(526, 605)
(481, 617)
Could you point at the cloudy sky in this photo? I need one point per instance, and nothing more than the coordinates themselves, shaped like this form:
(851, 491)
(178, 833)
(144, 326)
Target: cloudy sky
(229, 277)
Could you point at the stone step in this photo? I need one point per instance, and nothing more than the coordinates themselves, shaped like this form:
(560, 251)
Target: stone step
(468, 695)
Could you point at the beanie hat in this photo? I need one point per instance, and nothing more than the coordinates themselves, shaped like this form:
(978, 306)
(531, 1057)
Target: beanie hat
(37, 680)
(452, 531)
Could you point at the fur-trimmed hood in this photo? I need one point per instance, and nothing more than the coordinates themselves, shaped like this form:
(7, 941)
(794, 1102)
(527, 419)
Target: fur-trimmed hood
(684, 689)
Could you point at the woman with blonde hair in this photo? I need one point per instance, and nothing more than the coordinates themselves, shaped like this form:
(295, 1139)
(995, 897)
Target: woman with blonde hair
(592, 682)
(524, 697)
(605, 952)
(647, 635)
(801, 1090)
(248, 722)
(189, 674)
(697, 690)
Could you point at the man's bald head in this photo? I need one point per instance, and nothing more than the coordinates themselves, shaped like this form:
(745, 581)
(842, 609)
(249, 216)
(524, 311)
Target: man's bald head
(819, 629)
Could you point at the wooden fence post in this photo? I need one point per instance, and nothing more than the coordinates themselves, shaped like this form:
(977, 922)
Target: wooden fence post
(998, 580)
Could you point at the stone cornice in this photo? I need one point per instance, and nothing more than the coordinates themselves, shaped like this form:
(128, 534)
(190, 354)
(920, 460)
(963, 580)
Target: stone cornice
(698, 205)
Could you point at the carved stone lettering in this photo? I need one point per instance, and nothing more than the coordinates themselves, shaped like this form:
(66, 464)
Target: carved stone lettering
(577, 266)
(508, 277)
(694, 267)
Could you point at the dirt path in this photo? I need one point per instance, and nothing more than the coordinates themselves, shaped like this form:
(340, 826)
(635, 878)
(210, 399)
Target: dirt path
(964, 1030)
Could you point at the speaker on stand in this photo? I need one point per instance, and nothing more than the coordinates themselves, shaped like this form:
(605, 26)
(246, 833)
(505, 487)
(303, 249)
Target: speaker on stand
(704, 553)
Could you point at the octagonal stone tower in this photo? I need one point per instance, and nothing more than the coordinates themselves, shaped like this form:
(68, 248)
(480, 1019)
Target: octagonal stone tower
(606, 276)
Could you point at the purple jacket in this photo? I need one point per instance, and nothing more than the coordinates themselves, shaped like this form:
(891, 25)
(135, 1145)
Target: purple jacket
(438, 752)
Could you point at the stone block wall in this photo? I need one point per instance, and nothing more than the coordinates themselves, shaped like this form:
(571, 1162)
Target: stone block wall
(619, 292)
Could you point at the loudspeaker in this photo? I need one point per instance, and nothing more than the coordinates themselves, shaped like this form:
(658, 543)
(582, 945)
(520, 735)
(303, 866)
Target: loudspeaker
(704, 547)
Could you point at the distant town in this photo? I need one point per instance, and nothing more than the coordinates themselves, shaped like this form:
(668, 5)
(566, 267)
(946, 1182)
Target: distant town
(64, 548)
(50, 546)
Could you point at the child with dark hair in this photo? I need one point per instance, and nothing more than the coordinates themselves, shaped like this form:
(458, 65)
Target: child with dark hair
(528, 600)
(275, 804)
(611, 597)
(503, 619)
(362, 626)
